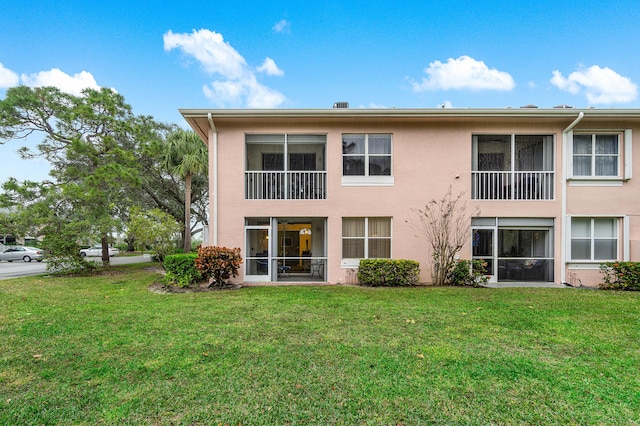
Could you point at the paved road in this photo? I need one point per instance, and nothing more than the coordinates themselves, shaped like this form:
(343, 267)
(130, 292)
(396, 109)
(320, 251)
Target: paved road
(23, 269)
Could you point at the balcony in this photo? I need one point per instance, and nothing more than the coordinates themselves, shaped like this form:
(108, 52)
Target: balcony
(280, 185)
(512, 185)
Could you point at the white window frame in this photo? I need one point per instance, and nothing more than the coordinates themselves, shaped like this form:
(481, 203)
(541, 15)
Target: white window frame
(354, 262)
(621, 225)
(366, 180)
(625, 138)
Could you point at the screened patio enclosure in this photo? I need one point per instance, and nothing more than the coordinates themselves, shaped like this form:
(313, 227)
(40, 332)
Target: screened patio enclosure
(515, 249)
(285, 167)
(513, 167)
(285, 249)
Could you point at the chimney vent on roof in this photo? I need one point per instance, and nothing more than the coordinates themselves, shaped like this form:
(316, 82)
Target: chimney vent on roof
(563, 106)
(529, 106)
(341, 105)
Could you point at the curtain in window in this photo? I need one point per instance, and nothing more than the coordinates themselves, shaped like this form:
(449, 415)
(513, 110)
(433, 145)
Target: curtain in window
(379, 144)
(375, 232)
(379, 237)
(379, 154)
(605, 245)
(353, 238)
(599, 234)
(528, 150)
(580, 238)
(595, 151)
(582, 147)
(493, 153)
(606, 155)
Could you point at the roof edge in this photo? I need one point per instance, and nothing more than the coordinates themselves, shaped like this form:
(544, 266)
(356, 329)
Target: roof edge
(410, 112)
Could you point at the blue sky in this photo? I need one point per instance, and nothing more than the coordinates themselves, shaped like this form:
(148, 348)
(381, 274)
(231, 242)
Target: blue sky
(162, 56)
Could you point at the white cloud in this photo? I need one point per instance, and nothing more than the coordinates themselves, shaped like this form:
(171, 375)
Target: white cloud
(282, 26)
(269, 67)
(243, 93)
(599, 85)
(209, 48)
(238, 85)
(8, 78)
(446, 104)
(72, 84)
(463, 73)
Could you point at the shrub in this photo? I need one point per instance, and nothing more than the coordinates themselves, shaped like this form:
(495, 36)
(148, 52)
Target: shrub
(218, 264)
(181, 269)
(620, 276)
(388, 272)
(469, 273)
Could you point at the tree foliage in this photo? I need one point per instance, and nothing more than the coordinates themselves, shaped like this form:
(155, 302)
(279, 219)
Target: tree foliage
(90, 142)
(104, 159)
(445, 224)
(153, 228)
(186, 156)
(40, 209)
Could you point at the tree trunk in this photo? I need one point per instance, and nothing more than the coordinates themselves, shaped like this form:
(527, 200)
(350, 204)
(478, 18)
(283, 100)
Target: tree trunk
(105, 250)
(131, 246)
(187, 213)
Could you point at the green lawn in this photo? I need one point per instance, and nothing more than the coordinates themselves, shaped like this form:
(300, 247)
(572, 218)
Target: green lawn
(104, 350)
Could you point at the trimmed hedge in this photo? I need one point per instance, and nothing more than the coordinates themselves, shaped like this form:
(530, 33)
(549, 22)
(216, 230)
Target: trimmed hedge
(621, 276)
(181, 269)
(388, 272)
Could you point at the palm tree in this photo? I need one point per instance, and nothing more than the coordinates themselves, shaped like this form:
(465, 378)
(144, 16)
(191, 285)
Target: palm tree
(186, 155)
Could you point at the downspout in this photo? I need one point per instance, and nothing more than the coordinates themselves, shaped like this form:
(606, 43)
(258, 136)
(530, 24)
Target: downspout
(214, 198)
(563, 197)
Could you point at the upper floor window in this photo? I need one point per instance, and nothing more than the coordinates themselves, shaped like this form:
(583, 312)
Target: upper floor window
(366, 158)
(596, 155)
(599, 157)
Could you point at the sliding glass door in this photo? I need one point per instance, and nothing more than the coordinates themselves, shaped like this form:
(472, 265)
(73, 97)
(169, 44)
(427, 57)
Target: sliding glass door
(285, 249)
(514, 249)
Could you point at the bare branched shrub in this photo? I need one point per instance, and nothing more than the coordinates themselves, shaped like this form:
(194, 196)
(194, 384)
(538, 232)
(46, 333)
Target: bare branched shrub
(446, 226)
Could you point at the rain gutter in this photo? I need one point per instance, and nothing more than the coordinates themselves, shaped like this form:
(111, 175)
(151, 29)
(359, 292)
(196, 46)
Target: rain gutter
(213, 168)
(565, 162)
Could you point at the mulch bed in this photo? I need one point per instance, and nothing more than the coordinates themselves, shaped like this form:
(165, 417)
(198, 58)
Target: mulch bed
(162, 288)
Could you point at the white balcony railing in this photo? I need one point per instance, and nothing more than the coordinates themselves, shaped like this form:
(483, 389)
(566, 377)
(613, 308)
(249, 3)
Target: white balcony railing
(261, 185)
(512, 185)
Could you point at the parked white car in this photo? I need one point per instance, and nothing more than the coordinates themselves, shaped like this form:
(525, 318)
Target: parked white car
(96, 251)
(24, 253)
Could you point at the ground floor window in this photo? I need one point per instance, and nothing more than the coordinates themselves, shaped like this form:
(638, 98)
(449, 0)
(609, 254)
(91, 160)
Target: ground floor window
(366, 237)
(594, 239)
(514, 249)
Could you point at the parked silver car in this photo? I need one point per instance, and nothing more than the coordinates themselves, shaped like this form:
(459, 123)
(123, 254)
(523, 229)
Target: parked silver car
(24, 253)
(96, 251)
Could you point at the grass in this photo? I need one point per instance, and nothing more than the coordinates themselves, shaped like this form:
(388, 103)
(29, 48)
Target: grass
(104, 350)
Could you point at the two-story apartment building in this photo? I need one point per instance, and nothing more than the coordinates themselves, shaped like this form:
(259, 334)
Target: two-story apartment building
(308, 193)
